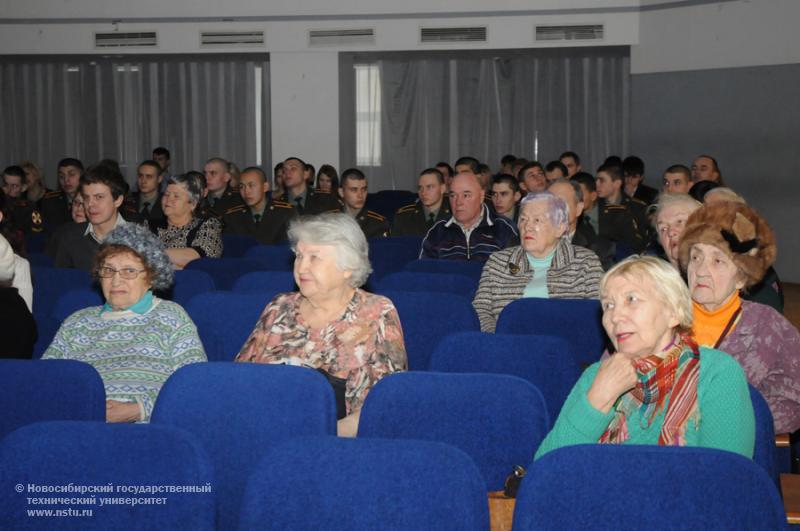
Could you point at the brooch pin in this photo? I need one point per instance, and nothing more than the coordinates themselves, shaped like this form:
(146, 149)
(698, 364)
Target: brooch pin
(513, 268)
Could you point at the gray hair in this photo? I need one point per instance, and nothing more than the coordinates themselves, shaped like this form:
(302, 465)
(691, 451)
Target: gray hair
(665, 200)
(574, 184)
(148, 247)
(557, 211)
(190, 184)
(341, 232)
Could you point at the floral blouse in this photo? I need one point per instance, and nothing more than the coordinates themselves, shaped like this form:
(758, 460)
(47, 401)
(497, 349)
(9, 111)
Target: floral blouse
(362, 347)
(202, 235)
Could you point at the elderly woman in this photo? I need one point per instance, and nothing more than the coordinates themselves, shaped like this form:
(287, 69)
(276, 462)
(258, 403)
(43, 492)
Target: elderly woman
(658, 387)
(186, 235)
(354, 337)
(546, 265)
(671, 213)
(727, 247)
(135, 340)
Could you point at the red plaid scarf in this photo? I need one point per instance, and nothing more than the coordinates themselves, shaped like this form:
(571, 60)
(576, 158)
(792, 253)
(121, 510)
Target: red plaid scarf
(673, 375)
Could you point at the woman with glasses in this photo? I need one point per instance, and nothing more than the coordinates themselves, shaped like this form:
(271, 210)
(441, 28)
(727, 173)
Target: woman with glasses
(135, 340)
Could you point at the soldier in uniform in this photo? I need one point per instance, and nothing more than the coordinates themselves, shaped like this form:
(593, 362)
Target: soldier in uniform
(620, 218)
(56, 205)
(298, 194)
(146, 202)
(506, 197)
(353, 192)
(221, 196)
(633, 168)
(260, 217)
(417, 218)
(25, 214)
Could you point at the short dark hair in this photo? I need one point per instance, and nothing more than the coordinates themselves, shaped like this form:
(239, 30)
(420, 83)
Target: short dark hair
(613, 160)
(311, 168)
(445, 165)
(586, 180)
(105, 174)
(680, 168)
(69, 161)
(504, 178)
(556, 164)
(484, 168)
(352, 173)
(472, 162)
(439, 175)
(614, 171)
(571, 154)
(701, 188)
(633, 165)
(278, 166)
(15, 171)
(508, 159)
(151, 163)
(257, 170)
(161, 151)
(110, 163)
(528, 165)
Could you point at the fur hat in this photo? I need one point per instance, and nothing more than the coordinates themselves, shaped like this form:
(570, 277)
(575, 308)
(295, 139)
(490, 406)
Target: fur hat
(149, 247)
(736, 229)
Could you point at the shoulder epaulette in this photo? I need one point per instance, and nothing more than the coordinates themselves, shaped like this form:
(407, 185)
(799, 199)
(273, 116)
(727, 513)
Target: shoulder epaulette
(616, 207)
(638, 201)
(321, 191)
(52, 193)
(280, 204)
(375, 215)
(407, 208)
(234, 209)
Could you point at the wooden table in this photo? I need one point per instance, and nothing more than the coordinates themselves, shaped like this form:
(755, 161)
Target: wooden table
(790, 487)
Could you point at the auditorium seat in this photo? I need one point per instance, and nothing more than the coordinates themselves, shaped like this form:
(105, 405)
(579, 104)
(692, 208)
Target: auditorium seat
(265, 281)
(129, 459)
(225, 319)
(40, 259)
(577, 321)
(50, 282)
(462, 267)
(456, 284)
(498, 420)
(236, 245)
(765, 452)
(73, 300)
(627, 487)
(334, 483)
(238, 411)
(426, 318)
(38, 390)
(544, 361)
(278, 257)
(186, 284)
(225, 271)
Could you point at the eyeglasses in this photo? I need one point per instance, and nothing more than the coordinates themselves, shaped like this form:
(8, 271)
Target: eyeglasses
(128, 273)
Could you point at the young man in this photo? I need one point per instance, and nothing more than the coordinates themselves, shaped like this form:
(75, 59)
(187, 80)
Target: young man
(56, 205)
(25, 214)
(418, 217)
(705, 168)
(472, 233)
(554, 171)
(146, 202)
(103, 191)
(633, 168)
(532, 178)
(620, 218)
(506, 197)
(221, 197)
(353, 191)
(260, 217)
(677, 180)
(571, 161)
(301, 196)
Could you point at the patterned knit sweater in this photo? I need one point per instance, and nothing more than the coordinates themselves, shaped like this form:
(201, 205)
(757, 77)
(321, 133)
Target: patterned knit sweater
(134, 354)
(574, 273)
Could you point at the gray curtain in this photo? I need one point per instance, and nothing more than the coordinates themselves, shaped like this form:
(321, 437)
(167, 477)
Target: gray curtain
(122, 107)
(532, 103)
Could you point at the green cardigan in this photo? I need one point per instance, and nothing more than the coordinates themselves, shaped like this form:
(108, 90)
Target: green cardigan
(726, 418)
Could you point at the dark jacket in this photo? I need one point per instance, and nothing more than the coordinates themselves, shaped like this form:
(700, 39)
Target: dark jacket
(270, 229)
(373, 224)
(410, 220)
(446, 240)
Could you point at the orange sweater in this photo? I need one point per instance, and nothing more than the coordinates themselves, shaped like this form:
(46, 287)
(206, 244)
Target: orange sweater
(708, 326)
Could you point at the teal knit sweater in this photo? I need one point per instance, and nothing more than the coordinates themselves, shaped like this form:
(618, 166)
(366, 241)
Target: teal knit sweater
(726, 419)
(134, 354)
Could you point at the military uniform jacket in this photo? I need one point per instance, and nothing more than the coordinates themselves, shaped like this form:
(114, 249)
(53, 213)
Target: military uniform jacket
(27, 217)
(230, 198)
(619, 224)
(373, 224)
(55, 209)
(646, 194)
(131, 208)
(271, 228)
(586, 237)
(447, 241)
(410, 220)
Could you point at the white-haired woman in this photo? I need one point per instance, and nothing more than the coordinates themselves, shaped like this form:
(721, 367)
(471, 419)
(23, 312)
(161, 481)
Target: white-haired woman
(658, 387)
(331, 325)
(546, 265)
(186, 235)
(671, 213)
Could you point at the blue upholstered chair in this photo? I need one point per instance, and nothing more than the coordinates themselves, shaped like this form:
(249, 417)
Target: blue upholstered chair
(236, 245)
(545, 361)
(459, 267)
(188, 283)
(333, 483)
(454, 283)
(388, 255)
(225, 319)
(620, 487)
(577, 321)
(73, 300)
(272, 257)
(265, 281)
(225, 271)
(427, 318)
(238, 410)
(498, 420)
(765, 452)
(38, 390)
(100, 455)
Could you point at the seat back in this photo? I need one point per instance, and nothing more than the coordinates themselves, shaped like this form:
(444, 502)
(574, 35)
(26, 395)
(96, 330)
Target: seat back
(225, 271)
(278, 257)
(454, 283)
(544, 361)
(765, 453)
(498, 420)
(426, 318)
(39, 390)
(646, 487)
(50, 282)
(188, 283)
(461, 267)
(388, 255)
(225, 319)
(265, 281)
(105, 456)
(236, 245)
(237, 410)
(577, 321)
(333, 483)
(73, 300)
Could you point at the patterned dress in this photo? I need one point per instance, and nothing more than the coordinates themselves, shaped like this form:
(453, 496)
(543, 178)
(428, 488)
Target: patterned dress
(361, 347)
(202, 235)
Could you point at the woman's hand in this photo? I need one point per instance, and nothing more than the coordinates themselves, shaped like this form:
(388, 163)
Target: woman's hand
(117, 411)
(615, 377)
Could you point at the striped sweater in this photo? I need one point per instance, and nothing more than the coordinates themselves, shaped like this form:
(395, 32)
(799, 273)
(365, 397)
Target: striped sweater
(573, 274)
(134, 354)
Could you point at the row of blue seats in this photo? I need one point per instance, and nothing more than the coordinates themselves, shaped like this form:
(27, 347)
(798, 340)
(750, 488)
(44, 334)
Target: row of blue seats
(239, 413)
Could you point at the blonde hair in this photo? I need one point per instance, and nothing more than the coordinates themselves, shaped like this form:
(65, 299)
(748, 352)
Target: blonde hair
(666, 281)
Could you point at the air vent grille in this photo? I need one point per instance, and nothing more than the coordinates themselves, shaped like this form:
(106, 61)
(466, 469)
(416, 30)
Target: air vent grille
(116, 39)
(586, 32)
(471, 34)
(231, 39)
(341, 37)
